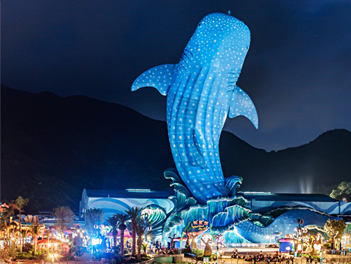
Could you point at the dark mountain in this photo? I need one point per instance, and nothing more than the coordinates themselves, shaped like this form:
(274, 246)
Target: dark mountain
(53, 147)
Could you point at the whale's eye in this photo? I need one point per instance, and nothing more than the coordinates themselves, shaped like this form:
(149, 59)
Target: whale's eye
(199, 24)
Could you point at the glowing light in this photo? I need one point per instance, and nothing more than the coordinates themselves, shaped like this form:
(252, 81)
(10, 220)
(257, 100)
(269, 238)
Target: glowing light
(139, 190)
(53, 256)
(96, 241)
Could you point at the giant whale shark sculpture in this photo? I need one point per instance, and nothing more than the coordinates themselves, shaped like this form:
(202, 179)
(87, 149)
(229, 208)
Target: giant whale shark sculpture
(201, 90)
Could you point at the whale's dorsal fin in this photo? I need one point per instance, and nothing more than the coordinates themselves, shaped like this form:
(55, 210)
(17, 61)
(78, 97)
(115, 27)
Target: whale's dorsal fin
(159, 77)
(241, 104)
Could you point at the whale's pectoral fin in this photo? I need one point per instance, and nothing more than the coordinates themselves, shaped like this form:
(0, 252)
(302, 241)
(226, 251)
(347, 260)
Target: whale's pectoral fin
(194, 155)
(159, 77)
(241, 104)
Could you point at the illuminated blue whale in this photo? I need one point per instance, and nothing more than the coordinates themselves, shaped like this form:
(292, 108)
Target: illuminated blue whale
(201, 90)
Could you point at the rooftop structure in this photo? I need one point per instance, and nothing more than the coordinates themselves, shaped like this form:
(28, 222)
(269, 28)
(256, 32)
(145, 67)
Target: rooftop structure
(118, 201)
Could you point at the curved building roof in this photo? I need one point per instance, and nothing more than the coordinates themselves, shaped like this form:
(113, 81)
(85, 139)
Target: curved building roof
(298, 197)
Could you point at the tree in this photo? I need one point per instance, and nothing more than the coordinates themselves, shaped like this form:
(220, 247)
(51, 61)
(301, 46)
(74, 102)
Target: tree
(113, 221)
(134, 214)
(6, 221)
(36, 229)
(14, 229)
(122, 218)
(8, 252)
(64, 216)
(187, 233)
(17, 205)
(140, 230)
(93, 217)
(23, 234)
(342, 191)
(47, 232)
(334, 229)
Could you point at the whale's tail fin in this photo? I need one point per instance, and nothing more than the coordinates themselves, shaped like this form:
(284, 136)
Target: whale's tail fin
(241, 104)
(159, 77)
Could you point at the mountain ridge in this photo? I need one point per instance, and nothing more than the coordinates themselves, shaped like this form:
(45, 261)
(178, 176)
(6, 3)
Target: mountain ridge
(55, 146)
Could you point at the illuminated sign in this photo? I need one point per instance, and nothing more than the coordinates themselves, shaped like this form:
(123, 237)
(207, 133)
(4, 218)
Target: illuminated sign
(199, 225)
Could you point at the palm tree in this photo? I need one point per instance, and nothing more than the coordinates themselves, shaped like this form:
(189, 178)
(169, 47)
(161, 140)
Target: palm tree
(14, 229)
(36, 229)
(24, 233)
(5, 221)
(122, 218)
(113, 221)
(47, 232)
(140, 230)
(17, 205)
(134, 214)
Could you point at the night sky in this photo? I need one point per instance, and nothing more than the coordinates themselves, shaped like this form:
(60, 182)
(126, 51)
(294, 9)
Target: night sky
(297, 71)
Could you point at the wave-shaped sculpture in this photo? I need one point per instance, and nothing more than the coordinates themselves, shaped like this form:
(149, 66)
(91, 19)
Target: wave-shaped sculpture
(156, 216)
(230, 216)
(200, 90)
(223, 213)
(284, 224)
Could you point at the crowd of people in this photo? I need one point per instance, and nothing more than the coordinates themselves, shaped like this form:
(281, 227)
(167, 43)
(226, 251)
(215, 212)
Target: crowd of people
(268, 258)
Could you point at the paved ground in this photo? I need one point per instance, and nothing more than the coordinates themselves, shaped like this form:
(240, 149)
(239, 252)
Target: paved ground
(251, 250)
(335, 259)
